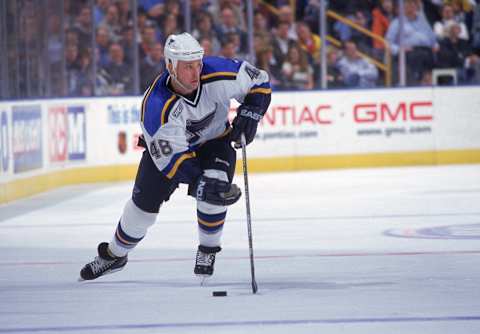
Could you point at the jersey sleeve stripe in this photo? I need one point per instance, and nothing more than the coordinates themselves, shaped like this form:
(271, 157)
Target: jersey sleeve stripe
(218, 76)
(147, 95)
(260, 91)
(167, 108)
(177, 164)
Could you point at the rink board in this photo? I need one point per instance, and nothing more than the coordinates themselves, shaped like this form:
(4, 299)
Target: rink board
(50, 143)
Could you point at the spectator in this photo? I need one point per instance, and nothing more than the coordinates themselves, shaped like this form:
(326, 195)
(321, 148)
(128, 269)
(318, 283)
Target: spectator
(281, 42)
(311, 14)
(85, 74)
(127, 43)
(198, 7)
(472, 67)
(100, 10)
(111, 22)
(142, 22)
(172, 7)
(448, 17)
(345, 32)
(453, 49)
(72, 67)
(124, 12)
(170, 26)
(103, 43)
(476, 28)
(334, 76)
(419, 42)
(381, 17)
(117, 75)
(296, 71)
(260, 26)
(207, 46)
(309, 42)
(204, 29)
(285, 15)
(83, 26)
(229, 24)
(461, 8)
(148, 40)
(266, 61)
(71, 37)
(71, 58)
(228, 49)
(151, 66)
(153, 8)
(235, 38)
(356, 71)
(236, 6)
(54, 39)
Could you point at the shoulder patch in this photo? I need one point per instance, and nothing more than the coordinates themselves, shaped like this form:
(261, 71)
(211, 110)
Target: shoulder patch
(252, 72)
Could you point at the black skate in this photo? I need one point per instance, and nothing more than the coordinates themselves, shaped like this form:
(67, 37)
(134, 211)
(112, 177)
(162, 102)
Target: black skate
(103, 264)
(205, 260)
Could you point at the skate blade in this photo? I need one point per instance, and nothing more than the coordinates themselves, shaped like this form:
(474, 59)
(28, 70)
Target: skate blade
(204, 279)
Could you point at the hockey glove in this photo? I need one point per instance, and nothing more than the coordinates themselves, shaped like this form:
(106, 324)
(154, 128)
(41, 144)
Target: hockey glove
(246, 122)
(215, 191)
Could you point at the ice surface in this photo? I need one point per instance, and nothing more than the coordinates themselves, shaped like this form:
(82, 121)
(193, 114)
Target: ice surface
(352, 251)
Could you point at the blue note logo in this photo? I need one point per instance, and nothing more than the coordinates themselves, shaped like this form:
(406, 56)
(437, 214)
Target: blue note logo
(195, 128)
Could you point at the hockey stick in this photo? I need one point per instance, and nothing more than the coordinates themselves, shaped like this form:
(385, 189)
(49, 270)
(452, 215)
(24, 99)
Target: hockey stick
(249, 217)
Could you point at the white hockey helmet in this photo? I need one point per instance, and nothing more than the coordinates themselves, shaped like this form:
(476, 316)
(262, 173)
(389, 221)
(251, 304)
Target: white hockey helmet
(181, 47)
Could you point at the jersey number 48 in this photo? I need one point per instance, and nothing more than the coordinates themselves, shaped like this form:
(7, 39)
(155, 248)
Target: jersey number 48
(159, 148)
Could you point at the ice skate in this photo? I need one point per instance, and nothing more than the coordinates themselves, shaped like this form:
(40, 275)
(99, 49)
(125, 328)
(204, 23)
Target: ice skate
(205, 261)
(103, 264)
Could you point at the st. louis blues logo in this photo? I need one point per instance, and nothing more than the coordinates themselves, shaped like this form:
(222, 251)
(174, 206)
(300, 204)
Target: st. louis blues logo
(195, 128)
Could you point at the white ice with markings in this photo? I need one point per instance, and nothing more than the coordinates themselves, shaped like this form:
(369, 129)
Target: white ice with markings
(393, 250)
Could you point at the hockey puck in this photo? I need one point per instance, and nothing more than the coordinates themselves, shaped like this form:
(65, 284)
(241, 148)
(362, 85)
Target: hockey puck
(219, 293)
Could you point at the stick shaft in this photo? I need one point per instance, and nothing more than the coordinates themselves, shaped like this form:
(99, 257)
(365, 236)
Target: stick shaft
(249, 217)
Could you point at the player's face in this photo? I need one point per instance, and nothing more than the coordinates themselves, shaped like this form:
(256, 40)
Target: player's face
(188, 73)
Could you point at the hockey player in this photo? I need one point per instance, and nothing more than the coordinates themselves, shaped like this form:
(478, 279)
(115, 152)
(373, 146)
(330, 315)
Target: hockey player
(188, 139)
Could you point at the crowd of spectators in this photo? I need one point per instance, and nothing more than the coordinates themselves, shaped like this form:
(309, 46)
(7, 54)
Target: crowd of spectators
(437, 34)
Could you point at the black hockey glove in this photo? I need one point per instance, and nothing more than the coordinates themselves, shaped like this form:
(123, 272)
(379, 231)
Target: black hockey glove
(246, 122)
(215, 191)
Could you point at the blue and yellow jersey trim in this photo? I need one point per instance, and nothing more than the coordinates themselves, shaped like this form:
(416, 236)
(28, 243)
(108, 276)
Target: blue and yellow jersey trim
(147, 95)
(216, 76)
(175, 163)
(259, 95)
(219, 68)
(167, 108)
(157, 104)
(263, 88)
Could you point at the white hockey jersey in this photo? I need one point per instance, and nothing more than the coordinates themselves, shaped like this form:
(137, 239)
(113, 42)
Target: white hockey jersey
(174, 126)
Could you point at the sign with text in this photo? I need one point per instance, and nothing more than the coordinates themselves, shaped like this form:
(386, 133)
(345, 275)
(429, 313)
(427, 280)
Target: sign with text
(26, 138)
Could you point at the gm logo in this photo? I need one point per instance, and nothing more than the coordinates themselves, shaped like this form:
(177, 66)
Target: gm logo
(77, 133)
